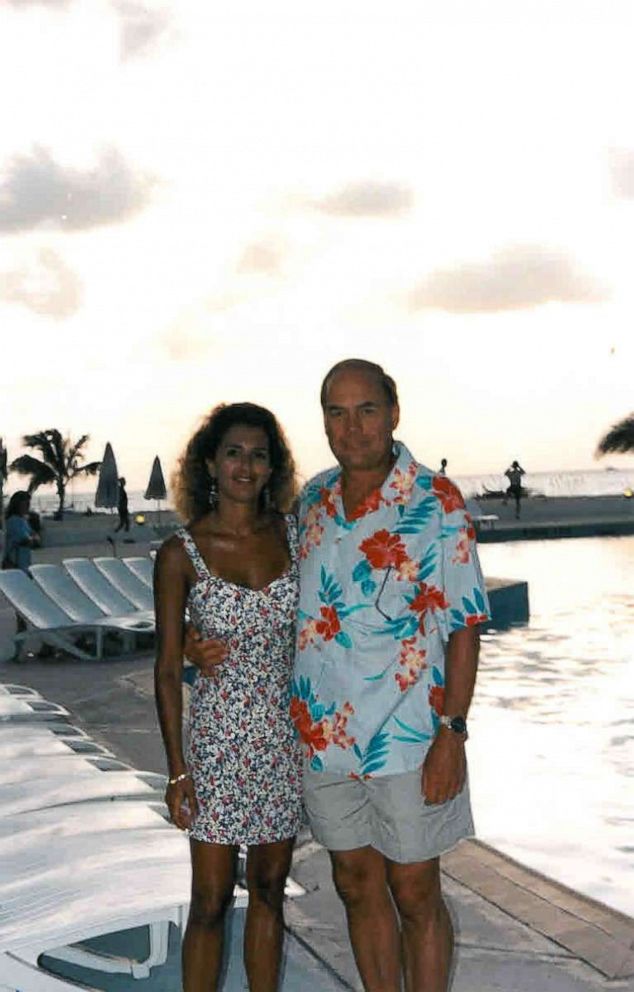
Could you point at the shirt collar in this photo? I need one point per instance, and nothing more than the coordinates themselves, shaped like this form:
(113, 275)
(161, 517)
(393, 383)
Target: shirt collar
(397, 486)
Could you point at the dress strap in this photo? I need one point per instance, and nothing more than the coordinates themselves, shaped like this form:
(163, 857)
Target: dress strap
(193, 553)
(292, 536)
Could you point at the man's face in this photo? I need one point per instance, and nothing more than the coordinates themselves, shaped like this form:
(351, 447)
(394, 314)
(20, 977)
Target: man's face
(359, 420)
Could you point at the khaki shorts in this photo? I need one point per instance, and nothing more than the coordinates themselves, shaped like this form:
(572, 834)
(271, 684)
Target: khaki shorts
(387, 812)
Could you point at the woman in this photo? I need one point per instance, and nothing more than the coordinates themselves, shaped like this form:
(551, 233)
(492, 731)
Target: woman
(234, 568)
(20, 538)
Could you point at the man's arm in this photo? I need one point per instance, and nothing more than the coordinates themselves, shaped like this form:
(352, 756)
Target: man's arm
(445, 766)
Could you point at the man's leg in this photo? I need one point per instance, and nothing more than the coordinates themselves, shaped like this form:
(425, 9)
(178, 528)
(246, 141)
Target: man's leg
(361, 882)
(426, 929)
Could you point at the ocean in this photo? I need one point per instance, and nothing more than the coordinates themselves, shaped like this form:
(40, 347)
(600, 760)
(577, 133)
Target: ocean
(604, 482)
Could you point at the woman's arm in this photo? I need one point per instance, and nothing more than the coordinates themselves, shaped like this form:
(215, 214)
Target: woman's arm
(170, 597)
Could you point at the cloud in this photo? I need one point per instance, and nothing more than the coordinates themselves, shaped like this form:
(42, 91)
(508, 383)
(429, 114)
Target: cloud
(141, 26)
(367, 199)
(36, 190)
(38, 3)
(622, 170)
(261, 257)
(514, 278)
(46, 286)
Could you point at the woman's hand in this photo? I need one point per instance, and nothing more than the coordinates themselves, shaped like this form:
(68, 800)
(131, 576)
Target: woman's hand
(181, 802)
(205, 655)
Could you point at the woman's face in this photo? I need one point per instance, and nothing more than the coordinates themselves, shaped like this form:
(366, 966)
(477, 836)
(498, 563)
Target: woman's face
(242, 465)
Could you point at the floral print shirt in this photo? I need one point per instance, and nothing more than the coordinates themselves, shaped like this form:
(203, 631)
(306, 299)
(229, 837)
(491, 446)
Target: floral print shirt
(380, 593)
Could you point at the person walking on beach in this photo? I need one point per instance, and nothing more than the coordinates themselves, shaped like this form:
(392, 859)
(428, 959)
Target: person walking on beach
(234, 569)
(391, 595)
(514, 474)
(122, 508)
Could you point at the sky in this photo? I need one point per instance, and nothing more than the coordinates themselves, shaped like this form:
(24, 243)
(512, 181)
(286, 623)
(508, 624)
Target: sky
(216, 202)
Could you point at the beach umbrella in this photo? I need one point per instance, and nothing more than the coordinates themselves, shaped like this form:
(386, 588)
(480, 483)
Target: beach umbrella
(107, 494)
(156, 486)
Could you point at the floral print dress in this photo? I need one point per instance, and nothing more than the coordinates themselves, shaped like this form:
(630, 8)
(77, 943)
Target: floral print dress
(242, 750)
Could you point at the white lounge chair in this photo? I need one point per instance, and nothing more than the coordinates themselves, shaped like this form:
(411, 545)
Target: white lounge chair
(75, 876)
(57, 583)
(126, 582)
(143, 568)
(101, 591)
(51, 624)
(60, 790)
(19, 709)
(19, 740)
(51, 766)
(11, 689)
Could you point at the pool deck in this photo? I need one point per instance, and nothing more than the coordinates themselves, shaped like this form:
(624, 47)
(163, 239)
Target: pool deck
(548, 518)
(516, 930)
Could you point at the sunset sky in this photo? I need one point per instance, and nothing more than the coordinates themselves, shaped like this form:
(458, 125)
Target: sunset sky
(216, 201)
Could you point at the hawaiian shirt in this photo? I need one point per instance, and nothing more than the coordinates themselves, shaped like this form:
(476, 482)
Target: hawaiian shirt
(380, 593)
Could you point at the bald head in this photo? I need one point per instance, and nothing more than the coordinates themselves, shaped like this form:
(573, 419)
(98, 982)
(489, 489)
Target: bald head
(361, 365)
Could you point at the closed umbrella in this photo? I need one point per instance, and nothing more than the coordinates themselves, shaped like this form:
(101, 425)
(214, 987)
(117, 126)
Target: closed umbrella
(107, 494)
(156, 486)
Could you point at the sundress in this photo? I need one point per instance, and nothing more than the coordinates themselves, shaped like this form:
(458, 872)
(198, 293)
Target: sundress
(242, 750)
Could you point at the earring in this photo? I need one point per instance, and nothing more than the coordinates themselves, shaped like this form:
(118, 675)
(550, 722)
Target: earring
(266, 498)
(213, 492)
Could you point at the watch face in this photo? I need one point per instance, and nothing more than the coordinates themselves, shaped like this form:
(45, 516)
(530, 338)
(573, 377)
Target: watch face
(459, 724)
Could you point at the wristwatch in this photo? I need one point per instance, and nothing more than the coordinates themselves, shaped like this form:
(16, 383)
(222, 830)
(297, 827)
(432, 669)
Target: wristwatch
(456, 723)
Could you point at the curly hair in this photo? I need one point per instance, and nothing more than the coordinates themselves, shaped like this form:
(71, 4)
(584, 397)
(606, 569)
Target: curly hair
(191, 480)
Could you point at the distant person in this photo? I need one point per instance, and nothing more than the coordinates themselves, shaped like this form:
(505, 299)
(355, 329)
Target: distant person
(20, 537)
(122, 508)
(514, 474)
(443, 467)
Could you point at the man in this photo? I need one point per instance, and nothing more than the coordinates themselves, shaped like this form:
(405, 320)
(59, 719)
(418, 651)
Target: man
(122, 508)
(514, 474)
(391, 596)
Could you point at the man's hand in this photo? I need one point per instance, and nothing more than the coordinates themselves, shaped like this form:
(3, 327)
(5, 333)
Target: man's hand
(181, 802)
(205, 655)
(444, 768)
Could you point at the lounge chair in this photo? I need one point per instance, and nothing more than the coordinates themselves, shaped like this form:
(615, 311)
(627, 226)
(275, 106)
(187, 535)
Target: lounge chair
(23, 709)
(50, 766)
(97, 587)
(143, 568)
(18, 740)
(52, 625)
(62, 790)
(82, 874)
(11, 689)
(126, 582)
(57, 583)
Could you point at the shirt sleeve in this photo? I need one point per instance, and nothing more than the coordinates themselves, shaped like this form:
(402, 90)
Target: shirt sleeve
(465, 589)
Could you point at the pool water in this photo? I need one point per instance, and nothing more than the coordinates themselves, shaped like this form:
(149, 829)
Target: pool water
(551, 745)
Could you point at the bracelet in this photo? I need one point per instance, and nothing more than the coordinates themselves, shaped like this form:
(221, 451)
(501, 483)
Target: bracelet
(178, 778)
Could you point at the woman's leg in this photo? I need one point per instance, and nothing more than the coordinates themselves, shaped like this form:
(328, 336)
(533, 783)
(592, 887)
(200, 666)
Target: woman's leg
(267, 869)
(213, 874)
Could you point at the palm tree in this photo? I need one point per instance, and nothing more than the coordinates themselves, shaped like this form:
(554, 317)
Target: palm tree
(59, 464)
(619, 439)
